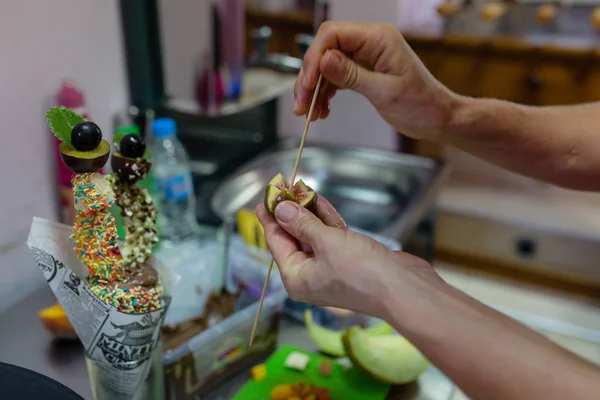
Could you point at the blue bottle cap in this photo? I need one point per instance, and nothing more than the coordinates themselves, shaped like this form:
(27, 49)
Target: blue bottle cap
(164, 127)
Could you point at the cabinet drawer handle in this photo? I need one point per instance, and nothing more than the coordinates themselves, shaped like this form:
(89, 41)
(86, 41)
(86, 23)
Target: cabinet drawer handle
(534, 81)
(526, 248)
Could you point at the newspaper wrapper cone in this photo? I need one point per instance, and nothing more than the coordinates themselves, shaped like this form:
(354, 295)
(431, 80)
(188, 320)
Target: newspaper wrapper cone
(119, 345)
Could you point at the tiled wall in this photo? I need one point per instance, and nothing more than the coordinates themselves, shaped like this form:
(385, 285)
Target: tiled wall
(42, 42)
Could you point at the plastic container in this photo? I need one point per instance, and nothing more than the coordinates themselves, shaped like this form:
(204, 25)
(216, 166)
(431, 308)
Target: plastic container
(221, 352)
(193, 261)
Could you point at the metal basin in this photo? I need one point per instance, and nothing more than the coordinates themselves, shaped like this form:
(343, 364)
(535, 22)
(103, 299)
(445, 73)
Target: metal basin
(377, 191)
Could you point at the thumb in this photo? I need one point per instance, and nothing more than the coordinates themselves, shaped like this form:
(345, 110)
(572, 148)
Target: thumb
(346, 73)
(299, 222)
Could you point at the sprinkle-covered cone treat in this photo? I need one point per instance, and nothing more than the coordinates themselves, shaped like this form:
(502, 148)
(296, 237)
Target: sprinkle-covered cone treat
(84, 152)
(130, 163)
(116, 312)
(125, 280)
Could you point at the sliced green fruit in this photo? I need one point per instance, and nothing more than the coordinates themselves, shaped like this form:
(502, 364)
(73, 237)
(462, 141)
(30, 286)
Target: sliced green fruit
(391, 359)
(286, 194)
(85, 161)
(307, 200)
(306, 197)
(274, 196)
(329, 341)
(273, 193)
(380, 329)
(278, 190)
(300, 187)
(279, 181)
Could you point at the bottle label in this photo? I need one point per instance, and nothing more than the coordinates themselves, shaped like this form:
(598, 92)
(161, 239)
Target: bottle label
(176, 188)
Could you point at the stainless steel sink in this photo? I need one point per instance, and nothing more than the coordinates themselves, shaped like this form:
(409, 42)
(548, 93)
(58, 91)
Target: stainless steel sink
(378, 191)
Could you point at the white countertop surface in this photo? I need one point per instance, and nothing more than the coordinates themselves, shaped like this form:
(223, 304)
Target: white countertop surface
(546, 309)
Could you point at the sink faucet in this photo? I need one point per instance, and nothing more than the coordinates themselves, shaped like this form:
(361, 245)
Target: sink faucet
(276, 61)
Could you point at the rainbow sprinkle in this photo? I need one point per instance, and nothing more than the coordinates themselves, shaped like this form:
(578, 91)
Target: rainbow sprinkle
(94, 232)
(126, 298)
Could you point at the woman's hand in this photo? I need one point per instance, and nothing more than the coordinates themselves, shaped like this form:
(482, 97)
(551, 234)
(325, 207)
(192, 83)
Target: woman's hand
(322, 262)
(374, 60)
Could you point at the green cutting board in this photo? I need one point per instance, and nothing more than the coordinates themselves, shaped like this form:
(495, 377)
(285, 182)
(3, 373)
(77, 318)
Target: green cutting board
(342, 384)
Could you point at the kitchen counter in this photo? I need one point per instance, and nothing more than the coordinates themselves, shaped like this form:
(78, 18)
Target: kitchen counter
(495, 211)
(571, 321)
(24, 342)
(259, 86)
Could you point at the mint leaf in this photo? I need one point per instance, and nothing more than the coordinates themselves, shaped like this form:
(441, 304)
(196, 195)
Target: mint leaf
(61, 121)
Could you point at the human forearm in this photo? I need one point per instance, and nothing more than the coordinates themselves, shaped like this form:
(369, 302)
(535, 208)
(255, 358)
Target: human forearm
(488, 355)
(560, 145)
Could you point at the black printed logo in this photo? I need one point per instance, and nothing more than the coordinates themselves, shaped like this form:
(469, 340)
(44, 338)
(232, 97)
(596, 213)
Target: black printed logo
(73, 283)
(47, 263)
(131, 346)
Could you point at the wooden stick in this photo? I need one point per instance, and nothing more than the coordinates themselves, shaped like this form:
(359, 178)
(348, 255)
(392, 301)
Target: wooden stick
(294, 173)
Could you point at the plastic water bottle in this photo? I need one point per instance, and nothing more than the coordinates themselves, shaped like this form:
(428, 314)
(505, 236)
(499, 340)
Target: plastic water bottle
(183, 248)
(171, 167)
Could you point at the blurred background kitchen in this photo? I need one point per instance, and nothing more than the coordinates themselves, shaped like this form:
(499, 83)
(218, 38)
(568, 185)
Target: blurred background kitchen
(224, 72)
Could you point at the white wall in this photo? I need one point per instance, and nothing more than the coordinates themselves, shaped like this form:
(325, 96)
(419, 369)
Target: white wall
(186, 35)
(42, 42)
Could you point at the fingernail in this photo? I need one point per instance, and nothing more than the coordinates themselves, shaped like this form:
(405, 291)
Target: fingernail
(285, 211)
(296, 106)
(337, 62)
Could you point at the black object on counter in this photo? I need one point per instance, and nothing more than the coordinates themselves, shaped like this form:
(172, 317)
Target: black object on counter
(21, 383)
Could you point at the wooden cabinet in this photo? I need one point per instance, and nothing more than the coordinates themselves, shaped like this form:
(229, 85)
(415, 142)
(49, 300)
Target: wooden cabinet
(512, 70)
(285, 25)
(509, 69)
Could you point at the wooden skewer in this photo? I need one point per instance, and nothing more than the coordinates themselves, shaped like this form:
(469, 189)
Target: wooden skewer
(294, 173)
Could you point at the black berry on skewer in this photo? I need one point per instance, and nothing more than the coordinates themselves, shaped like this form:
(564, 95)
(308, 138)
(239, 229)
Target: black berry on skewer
(132, 146)
(129, 161)
(88, 152)
(86, 136)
